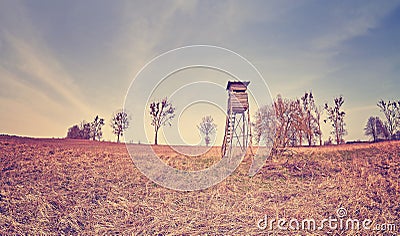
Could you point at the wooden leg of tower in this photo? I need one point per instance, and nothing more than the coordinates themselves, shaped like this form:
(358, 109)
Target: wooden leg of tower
(250, 135)
(244, 133)
(231, 134)
(224, 143)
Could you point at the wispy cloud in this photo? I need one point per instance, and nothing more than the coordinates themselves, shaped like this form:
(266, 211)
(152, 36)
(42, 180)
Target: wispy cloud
(35, 86)
(26, 109)
(353, 20)
(46, 73)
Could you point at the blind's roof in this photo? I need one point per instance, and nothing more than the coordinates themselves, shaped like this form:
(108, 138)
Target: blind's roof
(237, 84)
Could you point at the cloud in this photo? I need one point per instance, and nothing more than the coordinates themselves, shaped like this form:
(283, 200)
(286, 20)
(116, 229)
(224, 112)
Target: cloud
(353, 21)
(45, 71)
(27, 110)
(37, 93)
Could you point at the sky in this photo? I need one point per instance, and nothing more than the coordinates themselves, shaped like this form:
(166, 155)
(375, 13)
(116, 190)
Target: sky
(67, 61)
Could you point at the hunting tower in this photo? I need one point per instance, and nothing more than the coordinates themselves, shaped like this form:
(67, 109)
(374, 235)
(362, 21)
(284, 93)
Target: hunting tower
(237, 128)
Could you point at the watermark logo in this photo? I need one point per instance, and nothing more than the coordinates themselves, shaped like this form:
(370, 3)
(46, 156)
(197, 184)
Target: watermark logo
(340, 222)
(192, 77)
(341, 212)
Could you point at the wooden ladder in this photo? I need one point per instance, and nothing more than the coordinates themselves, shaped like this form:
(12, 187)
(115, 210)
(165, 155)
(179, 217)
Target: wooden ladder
(229, 129)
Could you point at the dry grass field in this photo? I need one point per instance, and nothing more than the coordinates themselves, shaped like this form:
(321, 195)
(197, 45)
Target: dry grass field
(72, 187)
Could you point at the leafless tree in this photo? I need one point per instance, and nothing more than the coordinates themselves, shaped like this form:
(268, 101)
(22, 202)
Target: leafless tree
(280, 123)
(287, 122)
(264, 125)
(375, 128)
(207, 128)
(310, 118)
(292, 119)
(298, 129)
(85, 130)
(336, 118)
(287, 117)
(318, 132)
(96, 126)
(391, 110)
(162, 112)
(119, 123)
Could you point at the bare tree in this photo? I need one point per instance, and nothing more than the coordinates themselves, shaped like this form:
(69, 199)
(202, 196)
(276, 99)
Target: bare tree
(96, 126)
(279, 124)
(375, 128)
(264, 125)
(162, 112)
(391, 110)
(207, 128)
(85, 130)
(287, 121)
(119, 122)
(318, 132)
(299, 127)
(336, 118)
(287, 117)
(310, 118)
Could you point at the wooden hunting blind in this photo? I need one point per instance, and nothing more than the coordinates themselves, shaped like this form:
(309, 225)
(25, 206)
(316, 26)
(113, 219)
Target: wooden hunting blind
(238, 98)
(237, 128)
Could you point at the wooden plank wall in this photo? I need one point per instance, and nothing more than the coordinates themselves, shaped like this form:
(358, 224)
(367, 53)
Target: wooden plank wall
(238, 101)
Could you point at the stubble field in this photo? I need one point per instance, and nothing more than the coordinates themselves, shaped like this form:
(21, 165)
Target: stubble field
(71, 187)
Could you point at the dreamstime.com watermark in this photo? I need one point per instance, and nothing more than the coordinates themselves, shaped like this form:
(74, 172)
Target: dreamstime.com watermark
(340, 222)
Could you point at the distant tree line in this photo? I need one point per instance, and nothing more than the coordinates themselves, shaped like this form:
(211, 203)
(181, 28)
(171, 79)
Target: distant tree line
(93, 130)
(286, 122)
(389, 129)
(161, 111)
(295, 122)
(87, 130)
